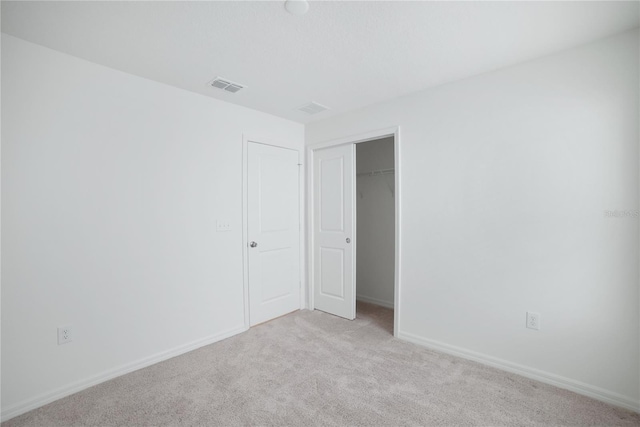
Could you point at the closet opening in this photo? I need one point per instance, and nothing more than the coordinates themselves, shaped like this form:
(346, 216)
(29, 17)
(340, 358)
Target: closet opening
(375, 231)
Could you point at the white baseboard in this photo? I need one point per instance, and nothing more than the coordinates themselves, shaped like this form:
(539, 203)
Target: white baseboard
(42, 399)
(525, 371)
(375, 301)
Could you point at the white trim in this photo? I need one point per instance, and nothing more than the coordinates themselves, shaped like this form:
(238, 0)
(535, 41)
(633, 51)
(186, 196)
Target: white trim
(245, 228)
(398, 232)
(42, 399)
(309, 227)
(302, 225)
(375, 301)
(525, 371)
(355, 139)
(246, 138)
(354, 230)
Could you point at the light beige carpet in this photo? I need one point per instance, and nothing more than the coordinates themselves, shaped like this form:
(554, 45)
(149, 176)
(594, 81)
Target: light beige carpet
(311, 368)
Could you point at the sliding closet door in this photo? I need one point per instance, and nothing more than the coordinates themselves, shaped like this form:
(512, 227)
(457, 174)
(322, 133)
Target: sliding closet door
(333, 230)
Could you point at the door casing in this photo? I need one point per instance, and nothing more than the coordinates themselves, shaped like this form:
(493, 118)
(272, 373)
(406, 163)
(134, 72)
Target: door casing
(355, 139)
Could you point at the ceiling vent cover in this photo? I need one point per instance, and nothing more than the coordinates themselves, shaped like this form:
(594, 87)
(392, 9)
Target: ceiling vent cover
(313, 108)
(226, 84)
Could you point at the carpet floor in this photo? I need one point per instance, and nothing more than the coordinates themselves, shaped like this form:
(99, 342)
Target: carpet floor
(311, 368)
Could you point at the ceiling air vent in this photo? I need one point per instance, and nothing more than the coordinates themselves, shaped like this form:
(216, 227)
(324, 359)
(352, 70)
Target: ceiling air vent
(226, 84)
(313, 108)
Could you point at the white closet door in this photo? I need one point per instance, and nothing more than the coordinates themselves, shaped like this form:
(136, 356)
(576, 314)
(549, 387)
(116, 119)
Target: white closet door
(334, 209)
(273, 232)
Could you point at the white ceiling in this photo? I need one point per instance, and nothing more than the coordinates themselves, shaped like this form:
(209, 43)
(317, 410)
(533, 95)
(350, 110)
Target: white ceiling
(344, 55)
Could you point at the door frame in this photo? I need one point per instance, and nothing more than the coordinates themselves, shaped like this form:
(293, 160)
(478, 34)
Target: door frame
(356, 139)
(280, 143)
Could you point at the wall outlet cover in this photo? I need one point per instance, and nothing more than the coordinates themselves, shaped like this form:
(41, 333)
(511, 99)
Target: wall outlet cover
(65, 334)
(533, 320)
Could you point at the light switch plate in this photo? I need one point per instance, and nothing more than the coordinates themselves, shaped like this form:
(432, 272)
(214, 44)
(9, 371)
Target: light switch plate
(223, 225)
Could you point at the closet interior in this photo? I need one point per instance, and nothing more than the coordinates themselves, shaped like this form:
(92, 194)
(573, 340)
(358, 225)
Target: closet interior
(375, 226)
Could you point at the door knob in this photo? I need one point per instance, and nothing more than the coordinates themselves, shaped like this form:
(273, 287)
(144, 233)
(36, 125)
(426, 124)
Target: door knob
(348, 240)
(253, 244)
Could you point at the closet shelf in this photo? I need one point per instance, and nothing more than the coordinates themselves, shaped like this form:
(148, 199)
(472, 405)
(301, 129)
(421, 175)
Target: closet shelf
(377, 172)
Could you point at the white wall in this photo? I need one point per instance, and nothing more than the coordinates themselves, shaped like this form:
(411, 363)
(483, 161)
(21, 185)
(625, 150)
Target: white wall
(505, 179)
(375, 223)
(111, 187)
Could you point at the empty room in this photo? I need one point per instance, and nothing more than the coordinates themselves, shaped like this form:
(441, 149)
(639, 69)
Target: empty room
(305, 212)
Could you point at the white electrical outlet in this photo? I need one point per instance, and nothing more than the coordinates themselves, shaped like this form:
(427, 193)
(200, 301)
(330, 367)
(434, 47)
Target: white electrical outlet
(223, 225)
(65, 334)
(533, 320)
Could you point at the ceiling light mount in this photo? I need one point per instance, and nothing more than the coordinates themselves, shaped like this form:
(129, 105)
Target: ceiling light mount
(296, 7)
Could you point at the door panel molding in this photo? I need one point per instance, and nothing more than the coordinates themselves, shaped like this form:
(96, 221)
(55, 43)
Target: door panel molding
(321, 288)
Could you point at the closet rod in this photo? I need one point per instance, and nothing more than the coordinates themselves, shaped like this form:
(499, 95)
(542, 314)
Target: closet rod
(377, 172)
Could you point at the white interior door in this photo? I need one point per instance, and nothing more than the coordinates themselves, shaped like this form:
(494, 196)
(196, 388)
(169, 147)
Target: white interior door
(333, 245)
(273, 232)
